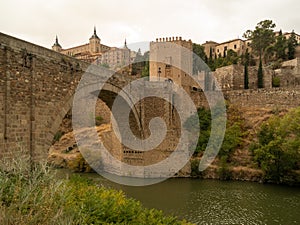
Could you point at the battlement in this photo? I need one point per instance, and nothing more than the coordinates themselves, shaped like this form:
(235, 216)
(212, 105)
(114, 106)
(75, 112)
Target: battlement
(171, 39)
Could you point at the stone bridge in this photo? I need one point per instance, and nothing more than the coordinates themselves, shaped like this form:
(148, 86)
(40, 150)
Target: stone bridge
(37, 86)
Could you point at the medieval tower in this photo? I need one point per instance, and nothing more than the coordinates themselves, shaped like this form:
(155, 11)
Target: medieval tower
(171, 59)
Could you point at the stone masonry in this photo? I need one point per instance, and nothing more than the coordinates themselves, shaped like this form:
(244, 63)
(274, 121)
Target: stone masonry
(37, 86)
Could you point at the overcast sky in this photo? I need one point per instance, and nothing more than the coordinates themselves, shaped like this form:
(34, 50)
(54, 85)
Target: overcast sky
(38, 21)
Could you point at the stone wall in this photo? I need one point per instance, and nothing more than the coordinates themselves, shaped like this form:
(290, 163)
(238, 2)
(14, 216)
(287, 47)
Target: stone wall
(271, 98)
(232, 77)
(36, 91)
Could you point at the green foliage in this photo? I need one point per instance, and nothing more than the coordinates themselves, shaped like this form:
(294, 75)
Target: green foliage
(277, 152)
(292, 43)
(141, 64)
(280, 46)
(97, 205)
(232, 139)
(275, 82)
(98, 120)
(145, 71)
(246, 73)
(224, 171)
(260, 75)
(35, 196)
(30, 194)
(233, 133)
(105, 65)
(204, 118)
(57, 136)
(230, 59)
(262, 37)
(198, 50)
(195, 169)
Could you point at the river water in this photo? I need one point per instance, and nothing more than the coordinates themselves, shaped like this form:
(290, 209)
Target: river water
(218, 202)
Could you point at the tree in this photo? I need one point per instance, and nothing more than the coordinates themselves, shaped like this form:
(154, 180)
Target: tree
(232, 57)
(261, 37)
(277, 152)
(260, 75)
(280, 46)
(246, 76)
(291, 44)
(198, 51)
(145, 70)
(139, 64)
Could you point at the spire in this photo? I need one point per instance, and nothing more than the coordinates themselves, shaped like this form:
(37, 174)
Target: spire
(95, 34)
(125, 44)
(56, 42)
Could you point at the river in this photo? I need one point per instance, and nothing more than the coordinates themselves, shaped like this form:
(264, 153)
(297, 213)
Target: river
(218, 202)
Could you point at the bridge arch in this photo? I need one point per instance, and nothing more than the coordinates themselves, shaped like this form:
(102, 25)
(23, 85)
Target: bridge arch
(37, 87)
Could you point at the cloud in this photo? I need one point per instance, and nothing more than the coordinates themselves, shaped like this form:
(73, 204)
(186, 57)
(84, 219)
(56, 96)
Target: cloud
(199, 20)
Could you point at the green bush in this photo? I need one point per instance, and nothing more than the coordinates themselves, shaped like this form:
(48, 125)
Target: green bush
(195, 169)
(34, 195)
(224, 171)
(277, 152)
(233, 133)
(98, 120)
(94, 205)
(57, 136)
(275, 82)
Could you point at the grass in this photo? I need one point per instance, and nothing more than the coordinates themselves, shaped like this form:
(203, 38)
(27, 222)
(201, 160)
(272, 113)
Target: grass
(34, 195)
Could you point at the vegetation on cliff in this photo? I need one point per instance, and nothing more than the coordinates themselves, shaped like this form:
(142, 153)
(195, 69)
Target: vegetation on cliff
(277, 151)
(274, 154)
(233, 134)
(35, 196)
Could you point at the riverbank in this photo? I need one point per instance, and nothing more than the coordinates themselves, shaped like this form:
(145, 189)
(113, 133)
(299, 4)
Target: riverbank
(34, 195)
(239, 173)
(250, 151)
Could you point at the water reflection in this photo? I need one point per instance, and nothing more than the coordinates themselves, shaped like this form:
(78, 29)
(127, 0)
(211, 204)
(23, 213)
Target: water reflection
(218, 202)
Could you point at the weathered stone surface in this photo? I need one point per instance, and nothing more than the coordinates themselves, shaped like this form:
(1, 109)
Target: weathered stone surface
(37, 86)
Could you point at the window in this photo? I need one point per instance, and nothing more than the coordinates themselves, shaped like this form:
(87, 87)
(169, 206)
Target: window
(234, 46)
(225, 48)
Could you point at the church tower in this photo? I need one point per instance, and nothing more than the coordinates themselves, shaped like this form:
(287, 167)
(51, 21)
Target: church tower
(56, 46)
(95, 46)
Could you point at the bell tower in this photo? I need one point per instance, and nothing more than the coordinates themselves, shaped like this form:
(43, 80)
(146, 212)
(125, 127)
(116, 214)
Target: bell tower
(95, 46)
(56, 46)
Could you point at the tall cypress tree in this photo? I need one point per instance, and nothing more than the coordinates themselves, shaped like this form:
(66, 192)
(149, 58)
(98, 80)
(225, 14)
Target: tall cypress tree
(260, 75)
(292, 43)
(246, 76)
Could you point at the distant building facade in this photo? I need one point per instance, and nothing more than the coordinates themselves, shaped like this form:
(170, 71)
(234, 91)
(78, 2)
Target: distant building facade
(215, 50)
(116, 57)
(96, 52)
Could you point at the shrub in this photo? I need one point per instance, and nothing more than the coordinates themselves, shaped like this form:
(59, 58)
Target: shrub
(57, 136)
(195, 169)
(277, 151)
(275, 82)
(233, 133)
(34, 195)
(98, 120)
